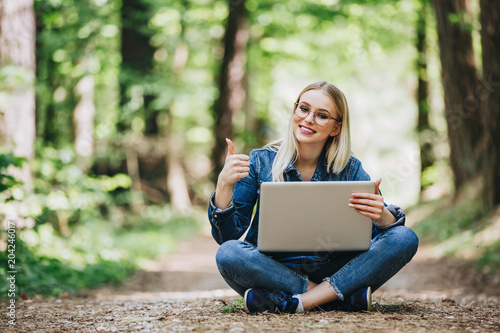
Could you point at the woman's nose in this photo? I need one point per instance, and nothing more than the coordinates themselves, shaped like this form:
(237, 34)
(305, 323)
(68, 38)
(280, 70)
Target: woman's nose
(310, 117)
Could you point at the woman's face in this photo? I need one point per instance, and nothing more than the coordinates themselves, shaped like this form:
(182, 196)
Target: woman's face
(306, 130)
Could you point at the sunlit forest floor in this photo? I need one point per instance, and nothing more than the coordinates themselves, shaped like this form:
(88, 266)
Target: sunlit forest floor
(184, 292)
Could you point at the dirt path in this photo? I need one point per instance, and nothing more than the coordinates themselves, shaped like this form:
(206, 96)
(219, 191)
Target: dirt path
(184, 292)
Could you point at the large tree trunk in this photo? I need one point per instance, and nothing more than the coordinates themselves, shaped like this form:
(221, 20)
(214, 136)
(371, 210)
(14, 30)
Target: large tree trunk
(231, 81)
(489, 94)
(137, 55)
(177, 186)
(137, 62)
(17, 118)
(459, 82)
(17, 48)
(424, 130)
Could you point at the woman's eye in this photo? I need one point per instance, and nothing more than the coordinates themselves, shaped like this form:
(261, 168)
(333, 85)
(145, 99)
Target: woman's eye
(322, 115)
(304, 109)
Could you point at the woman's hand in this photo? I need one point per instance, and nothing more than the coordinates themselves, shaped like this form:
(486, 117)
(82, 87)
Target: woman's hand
(236, 167)
(372, 206)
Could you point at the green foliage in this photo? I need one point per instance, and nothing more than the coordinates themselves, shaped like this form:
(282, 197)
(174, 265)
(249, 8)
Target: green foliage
(7, 181)
(94, 254)
(172, 91)
(62, 194)
(14, 77)
(488, 261)
(47, 275)
(75, 39)
(429, 176)
(237, 306)
(459, 229)
(448, 220)
(84, 235)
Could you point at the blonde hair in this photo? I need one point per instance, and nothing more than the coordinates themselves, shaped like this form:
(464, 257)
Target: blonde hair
(338, 148)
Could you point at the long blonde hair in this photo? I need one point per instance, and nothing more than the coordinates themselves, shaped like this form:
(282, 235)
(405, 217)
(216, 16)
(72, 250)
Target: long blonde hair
(338, 148)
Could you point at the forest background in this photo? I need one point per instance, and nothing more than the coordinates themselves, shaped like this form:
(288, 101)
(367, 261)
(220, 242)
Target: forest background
(114, 114)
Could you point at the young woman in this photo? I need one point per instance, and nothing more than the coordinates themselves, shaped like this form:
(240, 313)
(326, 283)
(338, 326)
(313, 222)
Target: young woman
(316, 148)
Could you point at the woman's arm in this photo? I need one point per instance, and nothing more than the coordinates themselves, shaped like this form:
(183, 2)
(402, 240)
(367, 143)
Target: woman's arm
(235, 168)
(230, 211)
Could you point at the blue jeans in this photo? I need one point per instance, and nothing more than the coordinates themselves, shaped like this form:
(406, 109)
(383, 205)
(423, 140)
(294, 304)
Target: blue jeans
(243, 267)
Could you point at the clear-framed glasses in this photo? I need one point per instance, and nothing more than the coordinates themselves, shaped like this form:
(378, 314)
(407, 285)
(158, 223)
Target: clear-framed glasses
(321, 117)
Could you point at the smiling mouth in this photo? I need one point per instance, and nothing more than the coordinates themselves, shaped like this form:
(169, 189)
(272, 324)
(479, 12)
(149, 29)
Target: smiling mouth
(307, 129)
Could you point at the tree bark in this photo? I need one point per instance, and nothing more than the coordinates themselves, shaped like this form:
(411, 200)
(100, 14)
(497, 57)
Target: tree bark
(137, 202)
(458, 71)
(137, 55)
(489, 94)
(17, 48)
(176, 178)
(424, 130)
(83, 118)
(177, 186)
(17, 117)
(232, 93)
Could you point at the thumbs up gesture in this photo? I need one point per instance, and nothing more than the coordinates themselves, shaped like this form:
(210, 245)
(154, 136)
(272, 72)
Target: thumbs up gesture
(236, 167)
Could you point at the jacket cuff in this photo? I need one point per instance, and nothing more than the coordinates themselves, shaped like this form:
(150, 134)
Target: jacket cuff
(218, 214)
(398, 214)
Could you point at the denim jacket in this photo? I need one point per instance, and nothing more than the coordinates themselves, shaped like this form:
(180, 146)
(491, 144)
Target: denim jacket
(233, 222)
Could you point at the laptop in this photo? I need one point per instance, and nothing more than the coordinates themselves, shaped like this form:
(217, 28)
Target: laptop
(312, 218)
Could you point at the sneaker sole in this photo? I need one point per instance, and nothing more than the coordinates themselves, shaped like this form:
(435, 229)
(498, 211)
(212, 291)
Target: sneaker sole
(245, 300)
(368, 299)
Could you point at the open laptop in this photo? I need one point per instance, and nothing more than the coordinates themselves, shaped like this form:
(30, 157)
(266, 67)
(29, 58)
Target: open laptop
(311, 218)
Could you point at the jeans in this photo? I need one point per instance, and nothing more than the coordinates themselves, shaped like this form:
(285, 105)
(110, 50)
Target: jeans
(243, 267)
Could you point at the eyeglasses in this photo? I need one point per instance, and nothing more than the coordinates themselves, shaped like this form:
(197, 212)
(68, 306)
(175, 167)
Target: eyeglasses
(322, 118)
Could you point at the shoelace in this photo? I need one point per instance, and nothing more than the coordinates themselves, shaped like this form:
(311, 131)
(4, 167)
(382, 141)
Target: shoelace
(281, 296)
(281, 299)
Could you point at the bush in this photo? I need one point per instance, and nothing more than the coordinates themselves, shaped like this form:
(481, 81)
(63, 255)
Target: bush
(457, 227)
(84, 235)
(447, 220)
(94, 254)
(45, 275)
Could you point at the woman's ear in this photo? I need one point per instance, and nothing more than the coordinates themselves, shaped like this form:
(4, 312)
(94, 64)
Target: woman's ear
(336, 131)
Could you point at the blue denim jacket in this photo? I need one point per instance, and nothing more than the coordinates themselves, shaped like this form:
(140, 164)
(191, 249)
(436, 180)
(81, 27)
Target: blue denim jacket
(232, 222)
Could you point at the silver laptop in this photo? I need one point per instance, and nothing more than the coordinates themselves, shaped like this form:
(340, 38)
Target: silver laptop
(312, 217)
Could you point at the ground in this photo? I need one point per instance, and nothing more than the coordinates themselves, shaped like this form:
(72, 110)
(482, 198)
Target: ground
(184, 292)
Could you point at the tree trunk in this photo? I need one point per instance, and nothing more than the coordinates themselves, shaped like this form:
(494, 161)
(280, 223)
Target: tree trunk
(136, 202)
(176, 178)
(17, 48)
(177, 186)
(83, 119)
(458, 71)
(178, 189)
(489, 94)
(424, 130)
(231, 81)
(17, 116)
(137, 55)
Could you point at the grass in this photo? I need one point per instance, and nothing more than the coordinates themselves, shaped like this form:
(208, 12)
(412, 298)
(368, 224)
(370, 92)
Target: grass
(237, 306)
(95, 254)
(458, 227)
(489, 260)
(447, 219)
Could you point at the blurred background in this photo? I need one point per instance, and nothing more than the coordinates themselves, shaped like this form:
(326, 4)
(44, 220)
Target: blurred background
(113, 115)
